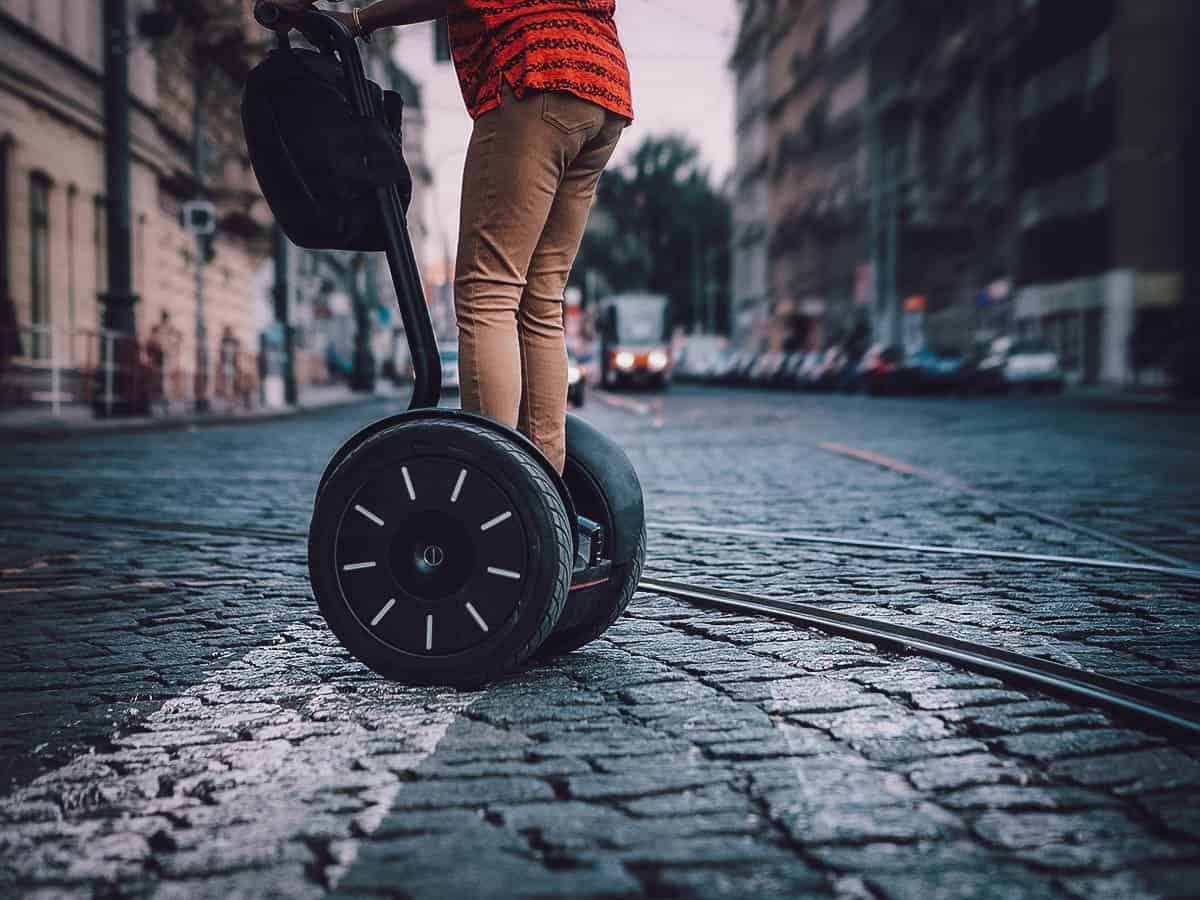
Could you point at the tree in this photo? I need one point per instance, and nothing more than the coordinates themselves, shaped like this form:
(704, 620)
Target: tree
(659, 225)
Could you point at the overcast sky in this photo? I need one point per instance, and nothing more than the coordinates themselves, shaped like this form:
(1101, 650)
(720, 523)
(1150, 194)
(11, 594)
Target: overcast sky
(677, 50)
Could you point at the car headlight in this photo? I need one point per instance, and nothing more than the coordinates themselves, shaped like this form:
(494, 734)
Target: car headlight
(657, 360)
(624, 360)
(573, 375)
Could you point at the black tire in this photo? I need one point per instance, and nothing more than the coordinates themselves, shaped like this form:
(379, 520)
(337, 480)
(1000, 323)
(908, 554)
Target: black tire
(604, 486)
(487, 599)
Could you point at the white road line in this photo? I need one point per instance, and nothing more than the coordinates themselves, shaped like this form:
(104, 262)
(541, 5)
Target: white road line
(462, 476)
(387, 608)
(504, 573)
(429, 632)
(354, 567)
(274, 787)
(369, 515)
(477, 617)
(412, 495)
(492, 523)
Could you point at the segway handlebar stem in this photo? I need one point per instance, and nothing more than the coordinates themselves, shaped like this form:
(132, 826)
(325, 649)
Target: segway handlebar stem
(328, 33)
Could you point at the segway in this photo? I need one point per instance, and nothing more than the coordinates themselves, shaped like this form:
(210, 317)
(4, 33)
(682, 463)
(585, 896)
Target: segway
(443, 548)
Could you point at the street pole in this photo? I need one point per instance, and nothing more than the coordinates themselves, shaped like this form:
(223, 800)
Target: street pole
(200, 81)
(118, 300)
(891, 245)
(283, 314)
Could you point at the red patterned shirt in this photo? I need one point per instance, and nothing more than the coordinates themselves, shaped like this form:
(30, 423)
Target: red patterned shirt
(550, 45)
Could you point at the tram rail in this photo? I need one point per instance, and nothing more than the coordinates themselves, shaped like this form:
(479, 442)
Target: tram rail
(1154, 710)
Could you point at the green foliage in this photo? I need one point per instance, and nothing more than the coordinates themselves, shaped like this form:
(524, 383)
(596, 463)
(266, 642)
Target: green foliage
(659, 225)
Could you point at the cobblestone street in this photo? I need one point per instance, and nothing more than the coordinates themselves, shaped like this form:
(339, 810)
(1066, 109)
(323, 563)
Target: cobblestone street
(178, 721)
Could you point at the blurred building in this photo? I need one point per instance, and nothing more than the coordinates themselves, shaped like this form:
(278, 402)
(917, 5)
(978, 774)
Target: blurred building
(992, 166)
(941, 122)
(202, 304)
(185, 64)
(1107, 93)
(748, 188)
(803, 81)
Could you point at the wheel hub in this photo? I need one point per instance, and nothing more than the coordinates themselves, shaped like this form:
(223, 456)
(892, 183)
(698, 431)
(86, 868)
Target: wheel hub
(432, 556)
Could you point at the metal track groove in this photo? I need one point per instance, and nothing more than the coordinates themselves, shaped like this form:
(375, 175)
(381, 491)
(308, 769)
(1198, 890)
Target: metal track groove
(1153, 709)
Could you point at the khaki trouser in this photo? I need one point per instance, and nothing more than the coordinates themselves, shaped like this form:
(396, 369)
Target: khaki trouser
(528, 183)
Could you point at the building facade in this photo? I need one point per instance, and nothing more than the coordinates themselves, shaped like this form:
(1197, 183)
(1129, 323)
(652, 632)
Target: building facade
(1107, 95)
(203, 305)
(186, 144)
(749, 188)
(800, 204)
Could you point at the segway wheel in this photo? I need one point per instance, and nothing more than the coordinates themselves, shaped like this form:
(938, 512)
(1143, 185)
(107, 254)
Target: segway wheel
(440, 552)
(604, 487)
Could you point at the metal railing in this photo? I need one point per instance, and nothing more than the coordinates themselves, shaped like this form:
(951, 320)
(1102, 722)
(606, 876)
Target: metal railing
(56, 368)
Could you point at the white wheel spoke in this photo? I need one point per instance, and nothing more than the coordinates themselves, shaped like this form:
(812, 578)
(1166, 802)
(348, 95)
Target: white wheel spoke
(458, 485)
(412, 494)
(492, 523)
(477, 617)
(354, 567)
(387, 608)
(367, 514)
(504, 573)
(429, 632)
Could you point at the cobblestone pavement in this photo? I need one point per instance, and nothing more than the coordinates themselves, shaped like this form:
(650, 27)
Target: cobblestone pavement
(177, 721)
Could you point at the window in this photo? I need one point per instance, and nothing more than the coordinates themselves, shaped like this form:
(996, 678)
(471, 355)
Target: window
(39, 260)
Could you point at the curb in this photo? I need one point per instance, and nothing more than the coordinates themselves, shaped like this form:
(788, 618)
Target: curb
(51, 431)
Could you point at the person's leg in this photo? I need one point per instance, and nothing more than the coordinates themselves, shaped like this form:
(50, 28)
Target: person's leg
(515, 163)
(540, 319)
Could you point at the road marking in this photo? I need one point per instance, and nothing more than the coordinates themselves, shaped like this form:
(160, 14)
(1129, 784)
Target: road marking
(477, 617)
(354, 567)
(462, 476)
(504, 573)
(412, 495)
(387, 608)
(492, 523)
(278, 787)
(369, 515)
(429, 632)
(950, 481)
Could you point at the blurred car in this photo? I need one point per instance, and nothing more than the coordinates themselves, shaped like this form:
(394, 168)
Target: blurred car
(1032, 364)
(448, 354)
(767, 369)
(576, 381)
(827, 372)
(931, 372)
(882, 370)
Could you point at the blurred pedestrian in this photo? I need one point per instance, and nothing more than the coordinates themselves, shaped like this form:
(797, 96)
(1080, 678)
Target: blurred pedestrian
(547, 84)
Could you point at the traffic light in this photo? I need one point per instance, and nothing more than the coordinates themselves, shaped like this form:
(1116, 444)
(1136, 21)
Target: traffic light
(441, 41)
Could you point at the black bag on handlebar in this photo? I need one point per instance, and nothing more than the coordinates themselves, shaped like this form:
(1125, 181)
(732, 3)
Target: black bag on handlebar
(318, 162)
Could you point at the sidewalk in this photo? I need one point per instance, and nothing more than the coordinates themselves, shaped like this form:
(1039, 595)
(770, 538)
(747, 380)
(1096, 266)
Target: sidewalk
(41, 423)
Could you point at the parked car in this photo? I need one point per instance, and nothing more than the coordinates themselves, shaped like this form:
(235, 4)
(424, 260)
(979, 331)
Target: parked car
(767, 369)
(1033, 365)
(932, 372)
(882, 371)
(827, 373)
